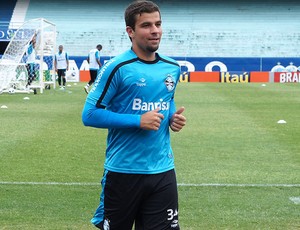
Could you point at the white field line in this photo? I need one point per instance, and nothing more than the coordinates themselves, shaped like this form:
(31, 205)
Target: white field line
(295, 200)
(239, 185)
(179, 184)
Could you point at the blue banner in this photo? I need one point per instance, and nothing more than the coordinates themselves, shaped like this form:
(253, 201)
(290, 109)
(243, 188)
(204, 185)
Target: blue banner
(191, 64)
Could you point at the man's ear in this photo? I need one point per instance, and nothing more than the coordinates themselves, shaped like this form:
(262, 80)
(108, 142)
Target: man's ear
(130, 31)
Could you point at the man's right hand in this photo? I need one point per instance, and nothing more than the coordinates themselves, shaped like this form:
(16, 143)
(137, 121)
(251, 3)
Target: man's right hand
(151, 120)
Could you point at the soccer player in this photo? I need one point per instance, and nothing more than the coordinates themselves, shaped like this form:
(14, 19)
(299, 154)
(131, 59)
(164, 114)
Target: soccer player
(133, 97)
(61, 65)
(94, 62)
(30, 63)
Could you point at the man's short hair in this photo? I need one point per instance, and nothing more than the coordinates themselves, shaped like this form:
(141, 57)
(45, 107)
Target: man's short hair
(137, 8)
(99, 46)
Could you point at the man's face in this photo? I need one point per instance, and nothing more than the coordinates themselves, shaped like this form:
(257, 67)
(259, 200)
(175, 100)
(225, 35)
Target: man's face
(60, 48)
(147, 34)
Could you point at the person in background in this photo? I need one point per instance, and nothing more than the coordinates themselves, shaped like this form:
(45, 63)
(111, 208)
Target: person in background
(61, 65)
(30, 62)
(94, 62)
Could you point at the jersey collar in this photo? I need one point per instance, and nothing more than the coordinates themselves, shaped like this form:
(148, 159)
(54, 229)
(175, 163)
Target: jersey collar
(157, 58)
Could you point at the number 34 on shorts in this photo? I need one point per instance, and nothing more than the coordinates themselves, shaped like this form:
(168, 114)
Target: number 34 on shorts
(173, 216)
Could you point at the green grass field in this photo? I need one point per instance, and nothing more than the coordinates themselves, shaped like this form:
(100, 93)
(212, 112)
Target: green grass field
(231, 140)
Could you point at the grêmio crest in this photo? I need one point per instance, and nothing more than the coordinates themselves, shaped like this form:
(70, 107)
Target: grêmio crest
(170, 82)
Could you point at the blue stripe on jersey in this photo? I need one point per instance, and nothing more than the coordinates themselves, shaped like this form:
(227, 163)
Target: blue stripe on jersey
(30, 49)
(97, 55)
(110, 79)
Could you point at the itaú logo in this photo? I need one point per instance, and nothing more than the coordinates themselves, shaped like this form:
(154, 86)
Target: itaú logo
(138, 104)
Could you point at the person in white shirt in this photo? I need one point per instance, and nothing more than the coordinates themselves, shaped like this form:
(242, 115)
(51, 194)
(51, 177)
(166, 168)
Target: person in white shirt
(61, 65)
(95, 64)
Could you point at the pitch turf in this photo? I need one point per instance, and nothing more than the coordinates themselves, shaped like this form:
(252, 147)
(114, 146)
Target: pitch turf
(232, 138)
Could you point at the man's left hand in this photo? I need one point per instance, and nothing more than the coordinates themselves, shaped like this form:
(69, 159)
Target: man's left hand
(178, 120)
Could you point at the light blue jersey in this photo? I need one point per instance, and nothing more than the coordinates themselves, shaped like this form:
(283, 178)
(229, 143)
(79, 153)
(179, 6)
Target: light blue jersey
(127, 87)
(31, 54)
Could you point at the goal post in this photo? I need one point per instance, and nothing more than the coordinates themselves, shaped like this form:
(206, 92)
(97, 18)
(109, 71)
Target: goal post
(15, 69)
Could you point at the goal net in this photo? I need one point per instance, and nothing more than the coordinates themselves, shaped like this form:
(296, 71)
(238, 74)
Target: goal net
(27, 62)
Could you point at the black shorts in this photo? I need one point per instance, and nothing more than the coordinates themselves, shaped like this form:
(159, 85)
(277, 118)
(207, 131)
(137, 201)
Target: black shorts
(61, 72)
(93, 74)
(149, 202)
(30, 70)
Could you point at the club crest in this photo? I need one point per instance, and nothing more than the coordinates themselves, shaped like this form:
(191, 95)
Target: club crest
(170, 83)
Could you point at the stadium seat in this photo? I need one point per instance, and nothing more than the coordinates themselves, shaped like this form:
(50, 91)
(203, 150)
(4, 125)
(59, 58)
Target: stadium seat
(191, 28)
(6, 11)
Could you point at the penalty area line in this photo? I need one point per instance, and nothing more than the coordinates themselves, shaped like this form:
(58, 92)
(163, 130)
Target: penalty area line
(179, 184)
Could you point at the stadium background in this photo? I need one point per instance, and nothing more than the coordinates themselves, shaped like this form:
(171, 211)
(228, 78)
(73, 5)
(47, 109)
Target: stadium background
(244, 36)
(237, 167)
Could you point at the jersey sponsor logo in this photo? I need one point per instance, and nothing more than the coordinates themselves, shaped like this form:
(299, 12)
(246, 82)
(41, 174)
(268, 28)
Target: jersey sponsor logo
(170, 83)
(141, 82)
(139, 104)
